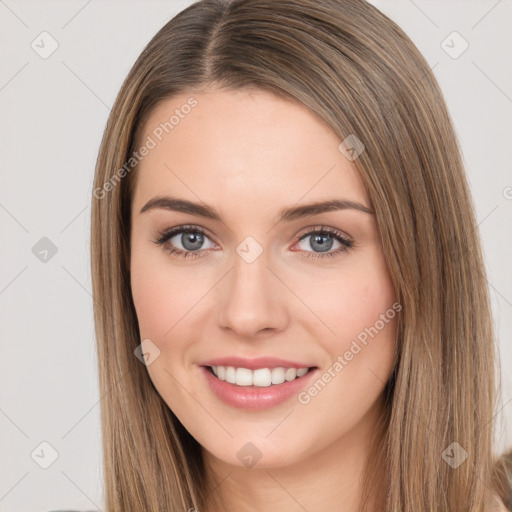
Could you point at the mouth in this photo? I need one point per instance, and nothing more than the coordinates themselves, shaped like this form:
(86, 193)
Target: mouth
(256, 383)
(259, 388)
(259, 377)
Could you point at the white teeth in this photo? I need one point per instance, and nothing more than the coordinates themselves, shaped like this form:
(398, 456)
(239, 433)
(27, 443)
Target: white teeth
(243, 377)
(230, 374)
(290, 373)
(277, 375)
(262, 377)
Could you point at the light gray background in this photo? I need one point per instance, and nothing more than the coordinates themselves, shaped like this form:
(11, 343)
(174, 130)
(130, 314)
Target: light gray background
(53, 112)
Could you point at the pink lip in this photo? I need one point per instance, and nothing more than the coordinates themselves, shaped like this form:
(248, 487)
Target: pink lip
(253, 397)
(255, 363)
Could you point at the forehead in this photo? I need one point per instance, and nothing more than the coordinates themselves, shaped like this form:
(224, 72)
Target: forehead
(242, 146)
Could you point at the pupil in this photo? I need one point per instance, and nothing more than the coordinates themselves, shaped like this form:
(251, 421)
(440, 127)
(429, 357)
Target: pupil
(320, 240)
(192, 241)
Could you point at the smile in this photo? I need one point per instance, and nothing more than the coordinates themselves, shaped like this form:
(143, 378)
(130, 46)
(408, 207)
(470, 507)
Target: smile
(257, 388)
(261, 377)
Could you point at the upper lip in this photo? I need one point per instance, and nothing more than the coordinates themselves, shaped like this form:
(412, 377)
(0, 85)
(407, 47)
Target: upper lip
(255, 363)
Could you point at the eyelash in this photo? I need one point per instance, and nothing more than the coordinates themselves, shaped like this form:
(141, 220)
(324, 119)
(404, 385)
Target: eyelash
(165, 236)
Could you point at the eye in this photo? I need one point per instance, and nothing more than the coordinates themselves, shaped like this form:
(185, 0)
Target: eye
(322, 240)
(188, 242)
(184, 241)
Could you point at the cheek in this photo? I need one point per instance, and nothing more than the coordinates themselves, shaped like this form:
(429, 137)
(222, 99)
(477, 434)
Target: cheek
(352, 299)
(366, 307)
(363, 314)
(161, 295)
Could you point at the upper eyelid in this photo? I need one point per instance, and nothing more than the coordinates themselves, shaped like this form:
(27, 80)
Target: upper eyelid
(321, 229)
(172, 232)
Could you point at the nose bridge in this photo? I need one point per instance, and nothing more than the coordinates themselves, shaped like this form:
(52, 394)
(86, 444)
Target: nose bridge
(250, 301)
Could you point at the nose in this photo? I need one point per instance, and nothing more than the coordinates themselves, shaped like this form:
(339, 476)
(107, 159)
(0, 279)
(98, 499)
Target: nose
(252, 301)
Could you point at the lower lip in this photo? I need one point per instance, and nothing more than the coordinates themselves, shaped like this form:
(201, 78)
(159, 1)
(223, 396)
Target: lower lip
(255, 398)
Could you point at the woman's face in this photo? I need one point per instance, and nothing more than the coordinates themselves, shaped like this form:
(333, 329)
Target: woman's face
(261, 284)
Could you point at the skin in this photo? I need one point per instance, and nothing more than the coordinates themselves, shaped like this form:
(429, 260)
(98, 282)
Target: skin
(249, 154)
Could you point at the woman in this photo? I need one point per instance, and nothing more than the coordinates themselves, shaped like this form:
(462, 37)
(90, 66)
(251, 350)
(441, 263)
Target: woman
(290, 301)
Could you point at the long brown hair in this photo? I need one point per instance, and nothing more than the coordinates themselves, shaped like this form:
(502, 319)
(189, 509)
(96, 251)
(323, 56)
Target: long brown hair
(358, 71)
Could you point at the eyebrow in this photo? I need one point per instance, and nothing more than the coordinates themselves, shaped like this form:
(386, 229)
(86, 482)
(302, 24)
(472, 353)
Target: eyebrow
(286, 215)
